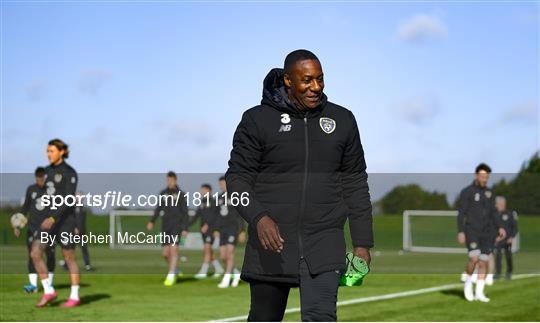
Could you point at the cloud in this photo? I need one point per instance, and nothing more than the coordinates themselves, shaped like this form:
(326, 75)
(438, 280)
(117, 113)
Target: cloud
(35, 90)
(521, 114)
(91, 81)
(419, 110)
(193, 132)
(422, 28)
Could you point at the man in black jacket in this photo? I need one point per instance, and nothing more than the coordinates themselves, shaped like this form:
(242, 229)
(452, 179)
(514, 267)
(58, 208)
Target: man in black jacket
(172, 208)
(36, 213)
(478, 227)
(509, 220)
(300, 160)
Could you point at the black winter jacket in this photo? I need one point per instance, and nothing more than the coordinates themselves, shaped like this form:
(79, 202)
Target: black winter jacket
(306, 170)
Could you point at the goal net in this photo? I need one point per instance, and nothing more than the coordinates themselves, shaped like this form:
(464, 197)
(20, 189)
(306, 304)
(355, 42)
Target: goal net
(434, 231)
(131, 222)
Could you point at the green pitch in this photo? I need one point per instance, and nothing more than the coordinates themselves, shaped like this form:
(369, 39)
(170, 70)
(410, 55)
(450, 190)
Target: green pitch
(127, 286)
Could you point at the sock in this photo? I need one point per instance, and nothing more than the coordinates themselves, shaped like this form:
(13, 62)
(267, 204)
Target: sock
(47, 287)
(33, 279)
(489, 276)
(227, 277)
(480, 287)
(51, 277)
(74, 292)
(236, 271)
(469, 279)
(170, 276)
(204, 268)
(217, 266)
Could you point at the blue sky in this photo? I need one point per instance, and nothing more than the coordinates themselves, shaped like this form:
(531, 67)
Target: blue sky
(148, 87)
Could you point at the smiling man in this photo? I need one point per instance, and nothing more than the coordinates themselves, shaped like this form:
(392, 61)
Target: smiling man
(300, 159)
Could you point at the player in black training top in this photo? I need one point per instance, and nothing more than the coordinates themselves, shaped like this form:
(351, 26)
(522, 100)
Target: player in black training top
(509, 220)
(61, 180)
(172, 209)
(34, 210)
(208, 212)
(477, 222)
(231, 230)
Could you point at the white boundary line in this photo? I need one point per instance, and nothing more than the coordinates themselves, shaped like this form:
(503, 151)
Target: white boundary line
(379, 297)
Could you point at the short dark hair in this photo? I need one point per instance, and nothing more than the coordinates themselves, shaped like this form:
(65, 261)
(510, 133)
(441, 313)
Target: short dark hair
(484, 167)
(171, 174)
(222, 178)
(60, 145)
(207, 186)
(39, 172)
(296, 56)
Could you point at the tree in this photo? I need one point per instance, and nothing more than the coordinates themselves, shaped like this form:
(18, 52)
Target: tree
(409, 197)
(523, 192)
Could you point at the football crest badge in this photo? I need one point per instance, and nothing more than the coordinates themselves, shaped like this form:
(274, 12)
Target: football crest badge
(327, 125)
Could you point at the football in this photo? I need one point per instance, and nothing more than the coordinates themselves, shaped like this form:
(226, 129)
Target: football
(18, 220)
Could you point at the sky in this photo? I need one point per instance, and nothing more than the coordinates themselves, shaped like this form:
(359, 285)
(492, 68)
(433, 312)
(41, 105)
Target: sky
(436, 87)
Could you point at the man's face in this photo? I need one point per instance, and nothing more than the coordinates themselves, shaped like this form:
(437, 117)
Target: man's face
(500, 204)
(305, 83)
(171, 182)
(40, 181)
(54, 154)
(223, 186)
(204, 190)
(482, 178)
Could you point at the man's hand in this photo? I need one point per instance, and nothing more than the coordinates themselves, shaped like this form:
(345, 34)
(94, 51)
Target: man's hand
(184, 233)
(510, 240)
(461, 237)
(204, 228)
(242, 237)
(150, 226)
(363, 253)
(502, 234)
(76, 231)
(16, 232)
(216, 234)
(268, 233)
(47, 223)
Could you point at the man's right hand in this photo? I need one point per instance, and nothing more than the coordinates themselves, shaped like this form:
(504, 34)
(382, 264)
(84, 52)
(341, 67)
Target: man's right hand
(461, 238)
(47, 223)
(204, 228)
(149, 226)
(16, 232)
(268, 233)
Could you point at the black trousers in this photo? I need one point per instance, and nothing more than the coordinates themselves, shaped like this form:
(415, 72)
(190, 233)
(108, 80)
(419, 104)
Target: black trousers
(500, 248)
(318, 297)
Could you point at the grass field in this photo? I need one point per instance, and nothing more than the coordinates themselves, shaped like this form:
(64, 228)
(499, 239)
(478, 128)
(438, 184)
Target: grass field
(127, 286)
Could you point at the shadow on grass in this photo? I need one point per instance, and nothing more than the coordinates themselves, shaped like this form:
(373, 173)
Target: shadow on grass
(453, 292)
(64, 286)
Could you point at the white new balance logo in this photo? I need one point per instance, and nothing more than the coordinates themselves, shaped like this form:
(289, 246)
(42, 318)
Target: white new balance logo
(285, 128)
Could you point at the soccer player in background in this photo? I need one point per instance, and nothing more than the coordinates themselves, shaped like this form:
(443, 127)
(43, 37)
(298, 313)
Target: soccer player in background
(509, 220)
(33, 209)
(80, 229)
(61, 179)
(174, 222)
(476, 222)
(208, 213)
(231, 231)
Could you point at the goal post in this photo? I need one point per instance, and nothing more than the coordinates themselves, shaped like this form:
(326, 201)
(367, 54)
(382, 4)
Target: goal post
(434, 231)
(134, 221)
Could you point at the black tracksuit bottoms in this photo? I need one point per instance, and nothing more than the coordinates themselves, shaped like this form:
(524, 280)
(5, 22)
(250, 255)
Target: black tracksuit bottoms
(318, 297)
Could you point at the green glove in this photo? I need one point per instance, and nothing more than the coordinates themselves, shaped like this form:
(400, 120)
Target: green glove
(357, 269)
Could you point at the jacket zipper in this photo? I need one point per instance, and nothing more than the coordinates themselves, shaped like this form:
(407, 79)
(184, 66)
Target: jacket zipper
(304, 187)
